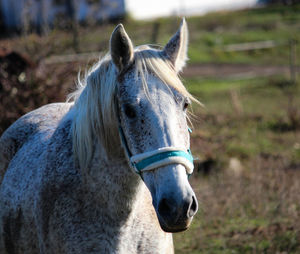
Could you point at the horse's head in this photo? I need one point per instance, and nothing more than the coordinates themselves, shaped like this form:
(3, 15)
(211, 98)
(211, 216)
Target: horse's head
(152, 111)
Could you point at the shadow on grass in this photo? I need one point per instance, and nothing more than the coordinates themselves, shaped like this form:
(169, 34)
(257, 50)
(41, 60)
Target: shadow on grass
(281, 126)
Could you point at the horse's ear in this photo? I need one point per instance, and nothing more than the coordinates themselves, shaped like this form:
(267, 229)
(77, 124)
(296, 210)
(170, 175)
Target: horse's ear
(176, 48)
(121, 48)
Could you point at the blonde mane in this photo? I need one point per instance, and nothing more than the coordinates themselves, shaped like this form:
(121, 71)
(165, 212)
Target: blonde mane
(95, 103)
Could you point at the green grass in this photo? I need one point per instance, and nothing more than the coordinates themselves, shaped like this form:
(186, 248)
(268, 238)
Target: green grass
(210, 33)
(245, 113)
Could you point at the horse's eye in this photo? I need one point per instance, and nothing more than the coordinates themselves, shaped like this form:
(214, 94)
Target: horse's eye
(129, 111)
(186, 104)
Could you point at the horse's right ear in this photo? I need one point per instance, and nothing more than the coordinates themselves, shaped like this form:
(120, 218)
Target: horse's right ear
(121, 48)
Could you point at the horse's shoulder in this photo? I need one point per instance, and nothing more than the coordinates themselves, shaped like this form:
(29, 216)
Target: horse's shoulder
(42, 119)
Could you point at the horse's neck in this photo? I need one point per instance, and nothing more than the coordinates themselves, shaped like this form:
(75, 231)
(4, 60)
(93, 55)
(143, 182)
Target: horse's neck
(112, 183)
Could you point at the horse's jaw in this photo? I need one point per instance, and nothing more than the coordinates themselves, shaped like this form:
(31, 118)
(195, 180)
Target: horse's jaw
(113, 174)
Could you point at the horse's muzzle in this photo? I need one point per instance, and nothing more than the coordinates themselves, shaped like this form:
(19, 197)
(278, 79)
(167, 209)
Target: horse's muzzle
(174, 217)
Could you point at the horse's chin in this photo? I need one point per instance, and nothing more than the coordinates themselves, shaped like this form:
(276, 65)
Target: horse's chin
(175, 228)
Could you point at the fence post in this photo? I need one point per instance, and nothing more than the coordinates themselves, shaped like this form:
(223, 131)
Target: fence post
(155, 31)
(71, 9)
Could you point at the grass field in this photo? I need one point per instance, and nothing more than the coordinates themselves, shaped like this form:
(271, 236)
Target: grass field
(247, 135)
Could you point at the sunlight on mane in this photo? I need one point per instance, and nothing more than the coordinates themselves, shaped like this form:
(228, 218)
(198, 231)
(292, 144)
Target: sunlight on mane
(95, 102)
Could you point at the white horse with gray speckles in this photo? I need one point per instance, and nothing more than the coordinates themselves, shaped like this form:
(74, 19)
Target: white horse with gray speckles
(107, 171)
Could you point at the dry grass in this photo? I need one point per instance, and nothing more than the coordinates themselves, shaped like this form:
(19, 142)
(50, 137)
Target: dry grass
(255, 211)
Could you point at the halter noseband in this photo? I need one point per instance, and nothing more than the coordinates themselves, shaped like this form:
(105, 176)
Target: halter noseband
(162, 157)
(158, 158)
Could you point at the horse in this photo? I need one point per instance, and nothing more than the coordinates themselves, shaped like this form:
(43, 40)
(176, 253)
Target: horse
(107, 170)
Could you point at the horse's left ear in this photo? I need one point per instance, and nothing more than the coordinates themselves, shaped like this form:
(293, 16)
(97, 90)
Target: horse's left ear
(121, 48)
(176, 48)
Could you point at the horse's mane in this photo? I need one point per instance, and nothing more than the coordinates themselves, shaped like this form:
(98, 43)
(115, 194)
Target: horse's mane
(95, 105)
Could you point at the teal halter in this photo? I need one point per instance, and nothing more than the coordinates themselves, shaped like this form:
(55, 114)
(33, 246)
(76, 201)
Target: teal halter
(158, 158)
(162, 157)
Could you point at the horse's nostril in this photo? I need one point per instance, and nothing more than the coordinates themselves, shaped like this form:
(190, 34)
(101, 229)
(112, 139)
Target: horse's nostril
(193, 207)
